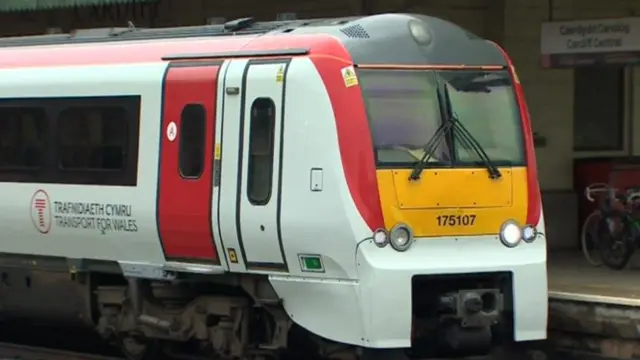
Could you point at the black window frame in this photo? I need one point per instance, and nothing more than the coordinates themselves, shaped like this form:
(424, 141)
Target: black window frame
(62, 115)
(451, 144)
(50, 172)
(589, 85)
(42, 119)
(270, 155)
(202, 137)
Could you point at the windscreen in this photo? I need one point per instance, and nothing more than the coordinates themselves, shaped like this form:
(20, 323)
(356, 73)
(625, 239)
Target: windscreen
(485, 103)
(404, 112)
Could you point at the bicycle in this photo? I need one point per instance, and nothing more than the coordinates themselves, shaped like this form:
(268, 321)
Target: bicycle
(588, 232)
(617, 226)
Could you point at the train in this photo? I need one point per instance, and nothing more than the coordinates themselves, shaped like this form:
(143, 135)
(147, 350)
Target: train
(341, 188)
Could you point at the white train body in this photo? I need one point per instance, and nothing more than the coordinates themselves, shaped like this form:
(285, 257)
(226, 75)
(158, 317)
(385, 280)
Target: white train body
(187, 196)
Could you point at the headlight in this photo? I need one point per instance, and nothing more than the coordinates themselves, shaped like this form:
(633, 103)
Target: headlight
(510, 233)
(529, 233)
(401, 237)
(420, 32)
(381, 238)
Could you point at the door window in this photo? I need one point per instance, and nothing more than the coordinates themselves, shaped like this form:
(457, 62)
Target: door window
(261, 135)
(192, 140)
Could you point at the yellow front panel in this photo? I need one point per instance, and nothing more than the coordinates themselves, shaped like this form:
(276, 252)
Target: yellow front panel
(450, 202)
(471, 188)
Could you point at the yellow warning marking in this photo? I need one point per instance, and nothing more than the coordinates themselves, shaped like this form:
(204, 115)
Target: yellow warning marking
(280, 74)
(217, 152)
(349, 76)
(233, 257)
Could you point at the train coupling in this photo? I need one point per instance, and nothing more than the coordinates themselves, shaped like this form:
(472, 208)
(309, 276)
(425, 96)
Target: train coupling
(466, 318)
(475, 308)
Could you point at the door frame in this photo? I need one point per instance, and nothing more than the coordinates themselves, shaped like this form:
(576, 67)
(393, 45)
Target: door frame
(242, 148)
(215, 240)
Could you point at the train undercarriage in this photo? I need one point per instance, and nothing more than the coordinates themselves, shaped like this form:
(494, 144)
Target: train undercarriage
(240, 316)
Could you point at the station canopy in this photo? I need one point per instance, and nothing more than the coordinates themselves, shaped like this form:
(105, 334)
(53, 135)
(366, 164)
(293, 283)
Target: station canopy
(40, 5)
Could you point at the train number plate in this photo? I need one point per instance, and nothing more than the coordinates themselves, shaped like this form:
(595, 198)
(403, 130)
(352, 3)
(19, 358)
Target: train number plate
(456, 220)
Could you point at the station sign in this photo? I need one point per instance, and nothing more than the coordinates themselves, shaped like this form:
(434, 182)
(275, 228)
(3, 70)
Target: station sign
(590, 42)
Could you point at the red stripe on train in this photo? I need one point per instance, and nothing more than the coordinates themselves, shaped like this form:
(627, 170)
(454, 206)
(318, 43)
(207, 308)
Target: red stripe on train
(534, 200)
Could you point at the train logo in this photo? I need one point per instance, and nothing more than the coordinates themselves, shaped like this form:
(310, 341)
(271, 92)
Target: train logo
(41, 211)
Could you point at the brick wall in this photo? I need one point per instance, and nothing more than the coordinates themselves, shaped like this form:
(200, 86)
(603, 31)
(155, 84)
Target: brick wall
(477, 15)
(549, 92)
(550, 97)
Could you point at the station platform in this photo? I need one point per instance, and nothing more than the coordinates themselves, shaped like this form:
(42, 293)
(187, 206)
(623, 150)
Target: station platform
(594, 311)
(572, 278)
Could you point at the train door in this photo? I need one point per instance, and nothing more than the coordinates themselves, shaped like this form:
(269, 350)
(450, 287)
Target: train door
(252, 148)
(184, 202)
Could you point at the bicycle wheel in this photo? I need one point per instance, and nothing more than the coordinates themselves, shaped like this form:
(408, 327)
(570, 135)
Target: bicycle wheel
(589, 238)
(616, 246)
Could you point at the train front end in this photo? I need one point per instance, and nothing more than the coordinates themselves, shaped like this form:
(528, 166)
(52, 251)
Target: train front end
(463, 235)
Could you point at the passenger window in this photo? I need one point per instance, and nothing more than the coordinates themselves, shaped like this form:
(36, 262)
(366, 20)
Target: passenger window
(261, 135)
(92, 138)
(87, 140)
(23, 136)
(192, 140)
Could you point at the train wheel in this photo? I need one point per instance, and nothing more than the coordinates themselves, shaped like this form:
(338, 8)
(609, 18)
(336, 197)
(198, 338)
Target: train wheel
(137, 348)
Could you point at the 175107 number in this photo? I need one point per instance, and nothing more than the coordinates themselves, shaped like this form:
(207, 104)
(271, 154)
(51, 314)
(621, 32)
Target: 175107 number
(456, 220)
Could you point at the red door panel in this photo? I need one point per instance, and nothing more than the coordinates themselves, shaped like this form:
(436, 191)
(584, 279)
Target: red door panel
(184, 204)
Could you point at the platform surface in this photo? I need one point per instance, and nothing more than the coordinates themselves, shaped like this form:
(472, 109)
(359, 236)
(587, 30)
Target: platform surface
(570, 276)
(593, 310)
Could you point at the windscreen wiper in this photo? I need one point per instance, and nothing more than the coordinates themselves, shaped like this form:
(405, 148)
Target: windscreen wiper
(432, 144)
(430, 148)
(466, 138)
(471, 142)
(452, 123)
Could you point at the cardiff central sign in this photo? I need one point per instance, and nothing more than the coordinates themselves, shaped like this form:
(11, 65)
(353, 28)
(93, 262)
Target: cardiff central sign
(590, 42)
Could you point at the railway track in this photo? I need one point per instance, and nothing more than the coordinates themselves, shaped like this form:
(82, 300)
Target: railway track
(10, 351)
